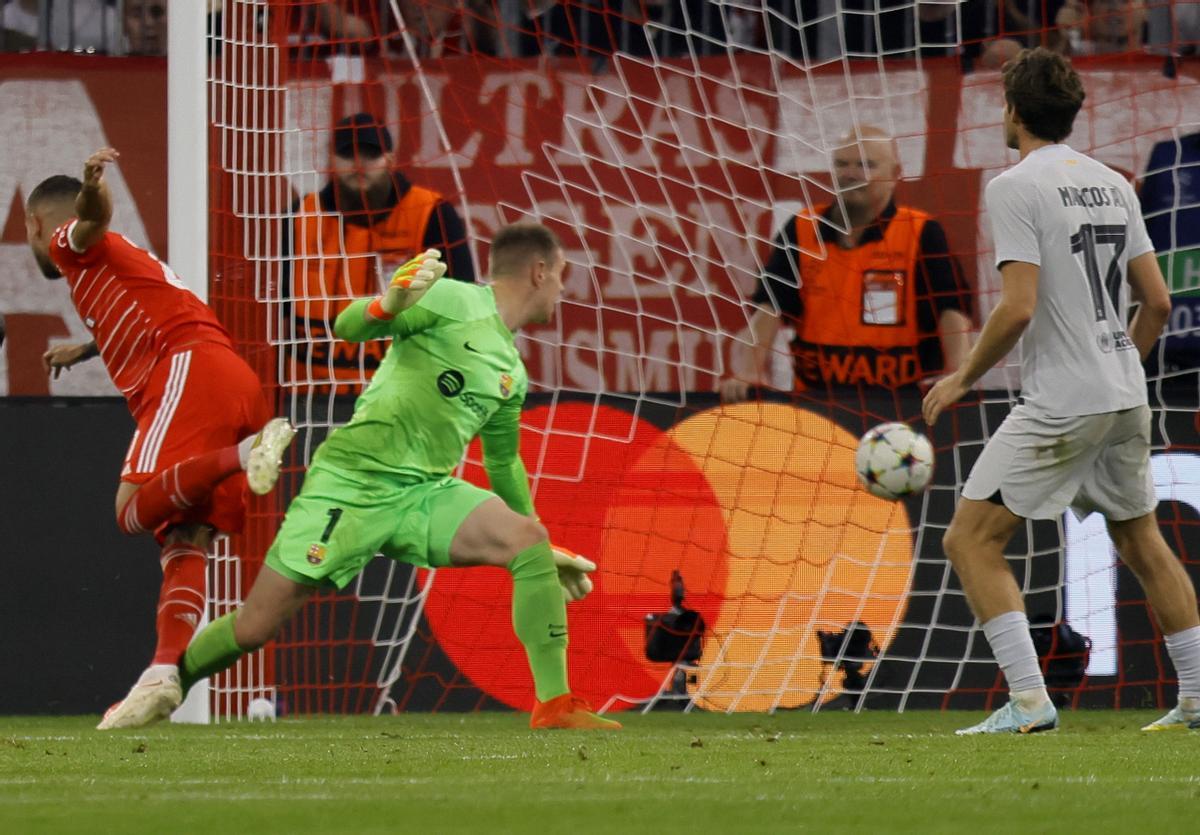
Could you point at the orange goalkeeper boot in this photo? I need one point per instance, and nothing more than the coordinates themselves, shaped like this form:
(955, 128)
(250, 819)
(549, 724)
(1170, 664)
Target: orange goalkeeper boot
(571, 712)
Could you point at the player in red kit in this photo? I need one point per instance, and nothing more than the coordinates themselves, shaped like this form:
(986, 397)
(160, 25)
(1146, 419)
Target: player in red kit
(204, 429)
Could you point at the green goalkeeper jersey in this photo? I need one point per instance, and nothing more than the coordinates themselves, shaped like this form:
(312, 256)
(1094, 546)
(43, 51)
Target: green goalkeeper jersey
(452, 372)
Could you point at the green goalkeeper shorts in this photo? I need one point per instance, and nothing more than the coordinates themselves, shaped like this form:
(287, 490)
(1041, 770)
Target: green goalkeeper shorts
(339, 521)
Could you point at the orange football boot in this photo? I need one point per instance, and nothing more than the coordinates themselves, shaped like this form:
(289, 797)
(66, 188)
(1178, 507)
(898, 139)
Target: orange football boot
(570, 712)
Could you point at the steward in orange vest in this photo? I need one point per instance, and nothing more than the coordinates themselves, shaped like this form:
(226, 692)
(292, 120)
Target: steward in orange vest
(347, 239)
(867, 315)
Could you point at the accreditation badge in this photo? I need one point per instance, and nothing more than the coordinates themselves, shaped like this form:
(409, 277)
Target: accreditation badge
(882, 295)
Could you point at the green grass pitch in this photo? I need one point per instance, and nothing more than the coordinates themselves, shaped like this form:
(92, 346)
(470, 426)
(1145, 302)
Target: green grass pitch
(665, 773)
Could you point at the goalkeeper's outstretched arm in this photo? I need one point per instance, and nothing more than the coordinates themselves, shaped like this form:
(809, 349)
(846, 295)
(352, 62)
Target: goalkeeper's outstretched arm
(354, 324)
(501, 439)
(502, 459)
(395, 313)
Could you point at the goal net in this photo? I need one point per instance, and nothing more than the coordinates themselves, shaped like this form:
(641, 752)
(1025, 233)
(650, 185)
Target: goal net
(668, 144)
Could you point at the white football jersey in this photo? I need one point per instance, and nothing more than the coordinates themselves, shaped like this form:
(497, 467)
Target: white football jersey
(1080, 223)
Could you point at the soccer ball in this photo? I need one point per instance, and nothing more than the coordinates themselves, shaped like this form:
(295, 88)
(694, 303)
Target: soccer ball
(894, 461)
(260, 710)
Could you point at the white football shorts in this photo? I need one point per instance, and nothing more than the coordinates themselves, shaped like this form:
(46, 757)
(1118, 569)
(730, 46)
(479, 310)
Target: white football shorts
(1042, 465)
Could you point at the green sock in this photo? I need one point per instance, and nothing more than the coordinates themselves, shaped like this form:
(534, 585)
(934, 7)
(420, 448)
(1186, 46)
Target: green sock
(213, 649)
(540, 619)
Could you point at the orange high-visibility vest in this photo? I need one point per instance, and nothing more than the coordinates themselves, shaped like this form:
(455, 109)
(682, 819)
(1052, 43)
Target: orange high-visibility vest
(333, 263)
(859, 321)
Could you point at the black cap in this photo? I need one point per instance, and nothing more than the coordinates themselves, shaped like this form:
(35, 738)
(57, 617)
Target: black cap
(363, 134)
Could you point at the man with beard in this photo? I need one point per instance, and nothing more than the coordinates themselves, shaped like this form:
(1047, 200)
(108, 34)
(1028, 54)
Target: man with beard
(352, 235)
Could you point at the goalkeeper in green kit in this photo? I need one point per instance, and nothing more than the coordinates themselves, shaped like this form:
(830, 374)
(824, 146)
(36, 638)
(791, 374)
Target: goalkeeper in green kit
(382, 483)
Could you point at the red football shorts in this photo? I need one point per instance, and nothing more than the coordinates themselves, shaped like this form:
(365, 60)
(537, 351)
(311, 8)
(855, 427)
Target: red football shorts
(198, 400)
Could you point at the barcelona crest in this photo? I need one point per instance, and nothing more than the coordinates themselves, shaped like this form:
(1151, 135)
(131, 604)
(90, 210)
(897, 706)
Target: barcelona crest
(316, 553)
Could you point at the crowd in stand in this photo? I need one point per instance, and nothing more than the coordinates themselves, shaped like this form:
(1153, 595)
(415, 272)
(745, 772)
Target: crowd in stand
(115, 27)
(983, 32)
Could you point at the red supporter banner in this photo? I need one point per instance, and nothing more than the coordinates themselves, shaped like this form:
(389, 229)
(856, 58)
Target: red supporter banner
(666, 183)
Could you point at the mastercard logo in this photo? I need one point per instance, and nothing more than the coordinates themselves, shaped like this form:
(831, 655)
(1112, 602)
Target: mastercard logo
(757, 506)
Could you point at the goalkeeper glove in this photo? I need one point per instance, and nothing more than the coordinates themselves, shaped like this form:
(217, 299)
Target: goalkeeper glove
(573, 571)
(410, 281)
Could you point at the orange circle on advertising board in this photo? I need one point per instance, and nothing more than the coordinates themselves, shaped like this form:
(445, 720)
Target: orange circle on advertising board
(616, 489)
(809, 549)
(757, 506)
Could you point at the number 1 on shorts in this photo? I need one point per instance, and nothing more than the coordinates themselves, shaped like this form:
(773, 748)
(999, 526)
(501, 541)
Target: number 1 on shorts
(335, 513)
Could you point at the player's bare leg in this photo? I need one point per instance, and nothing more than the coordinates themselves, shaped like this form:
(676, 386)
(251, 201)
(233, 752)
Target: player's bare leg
(271, 603)
(1172, 597)
(493, 534)
(157, 692)
(975, 546)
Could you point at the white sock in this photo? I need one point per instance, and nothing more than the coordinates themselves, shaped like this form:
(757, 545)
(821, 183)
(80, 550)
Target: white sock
(157, 672)
(1012, 645)
(244, 447)
(1184, 649)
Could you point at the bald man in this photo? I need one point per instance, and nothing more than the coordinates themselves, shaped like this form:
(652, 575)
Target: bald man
(870, 287)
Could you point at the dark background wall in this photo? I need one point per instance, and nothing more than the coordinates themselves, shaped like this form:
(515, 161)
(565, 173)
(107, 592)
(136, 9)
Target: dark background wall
(77, 597)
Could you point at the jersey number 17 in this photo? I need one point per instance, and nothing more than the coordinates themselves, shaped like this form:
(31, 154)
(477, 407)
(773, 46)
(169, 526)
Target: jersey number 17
(1083, 244)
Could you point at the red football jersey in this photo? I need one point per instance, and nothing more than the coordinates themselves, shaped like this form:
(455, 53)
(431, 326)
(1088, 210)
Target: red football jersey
(136, 308)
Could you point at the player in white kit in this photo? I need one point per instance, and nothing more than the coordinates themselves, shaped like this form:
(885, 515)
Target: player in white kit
(1073, 253)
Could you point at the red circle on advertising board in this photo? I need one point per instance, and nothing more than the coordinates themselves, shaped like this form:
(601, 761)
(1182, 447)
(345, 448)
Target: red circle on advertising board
(618, 490)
